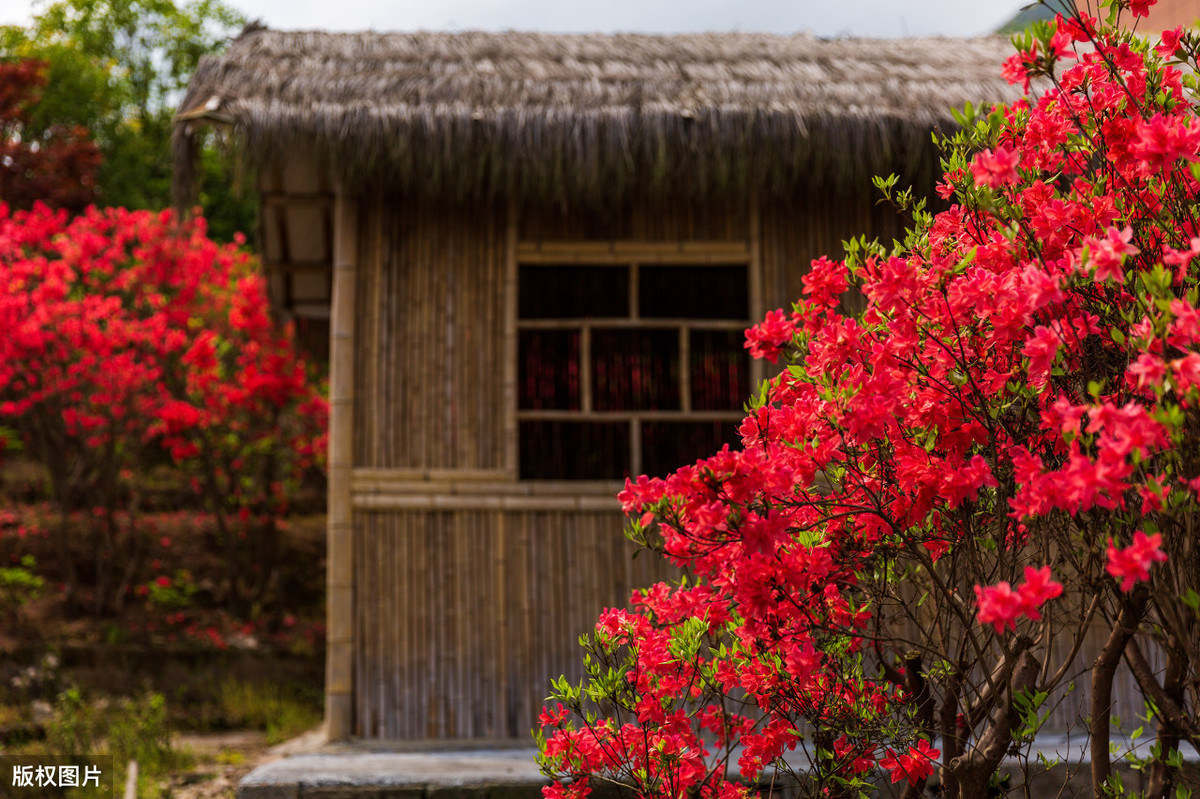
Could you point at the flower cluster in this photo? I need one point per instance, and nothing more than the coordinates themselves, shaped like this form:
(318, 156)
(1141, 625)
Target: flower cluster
(1000, 606)
(1132, 564)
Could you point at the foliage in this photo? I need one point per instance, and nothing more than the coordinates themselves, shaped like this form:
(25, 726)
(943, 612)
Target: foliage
(938, 499)
(19, 584)
(116, 68)
(177, 599)
(128, 728)
(53, 163)
(135, 340)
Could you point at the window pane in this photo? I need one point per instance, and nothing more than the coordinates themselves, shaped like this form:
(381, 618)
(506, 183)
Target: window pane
(635, 370)
(573, 292)
(553, 450)
(668, 445)
(720, 370)
(693, 292)
(549, 370)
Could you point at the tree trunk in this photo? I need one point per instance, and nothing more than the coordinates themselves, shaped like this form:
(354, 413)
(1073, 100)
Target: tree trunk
(1168, 697)
(1103, 669)
(973, 771)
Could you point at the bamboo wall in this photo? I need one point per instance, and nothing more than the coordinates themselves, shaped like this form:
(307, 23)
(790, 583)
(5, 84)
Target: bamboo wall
(465, 616)
(430, 371)
(1068, 708)
(470, 587)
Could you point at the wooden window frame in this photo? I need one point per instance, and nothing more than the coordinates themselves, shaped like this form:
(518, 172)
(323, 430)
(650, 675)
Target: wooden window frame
(630, 255)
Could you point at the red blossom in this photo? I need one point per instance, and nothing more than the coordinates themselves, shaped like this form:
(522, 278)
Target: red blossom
(1141, 8)
(996, 168)
(1132, 564)
(1162, 141)
(1108, 253)
(916, 765)
(768, 338)
(1168, 42)
(1001, 607)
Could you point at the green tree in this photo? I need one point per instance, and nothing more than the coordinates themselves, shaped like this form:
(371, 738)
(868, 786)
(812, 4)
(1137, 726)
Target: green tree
(117, 68)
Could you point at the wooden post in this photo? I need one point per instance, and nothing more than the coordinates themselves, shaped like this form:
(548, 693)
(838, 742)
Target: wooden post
(339, 657)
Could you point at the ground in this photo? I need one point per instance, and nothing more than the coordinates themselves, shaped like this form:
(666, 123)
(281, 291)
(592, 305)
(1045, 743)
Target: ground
(180, 658)
(224, 758)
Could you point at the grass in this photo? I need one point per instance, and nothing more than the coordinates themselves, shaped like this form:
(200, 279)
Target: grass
(282, 713)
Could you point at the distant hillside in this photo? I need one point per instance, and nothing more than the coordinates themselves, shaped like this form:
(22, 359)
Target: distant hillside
(1034, 13)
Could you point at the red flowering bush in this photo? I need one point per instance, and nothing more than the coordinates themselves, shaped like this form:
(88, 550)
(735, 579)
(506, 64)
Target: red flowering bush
(1018, 405)
(132, 340)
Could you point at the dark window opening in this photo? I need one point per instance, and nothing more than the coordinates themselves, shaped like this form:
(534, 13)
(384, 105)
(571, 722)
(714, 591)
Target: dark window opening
(549, 370)
(571, 292)
(627, 368)
(668, 445)
(704, 292)
(720, 377)
(635, 370)
(554, 450)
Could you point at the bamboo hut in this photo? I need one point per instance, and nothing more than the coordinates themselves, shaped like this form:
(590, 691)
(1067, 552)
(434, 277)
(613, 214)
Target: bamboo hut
(534, 255)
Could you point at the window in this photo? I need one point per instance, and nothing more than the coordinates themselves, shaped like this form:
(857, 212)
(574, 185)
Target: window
(628, 366)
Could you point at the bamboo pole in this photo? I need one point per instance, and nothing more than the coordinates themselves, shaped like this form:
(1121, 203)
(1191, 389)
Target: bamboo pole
(511, 433)
(339, 660)
(758, 301)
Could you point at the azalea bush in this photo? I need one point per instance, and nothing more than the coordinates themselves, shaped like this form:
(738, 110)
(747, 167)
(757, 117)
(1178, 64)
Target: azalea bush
(939, 499)
(133, 342)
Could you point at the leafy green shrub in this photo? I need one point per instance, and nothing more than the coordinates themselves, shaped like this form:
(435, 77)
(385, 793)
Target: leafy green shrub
(127, 728)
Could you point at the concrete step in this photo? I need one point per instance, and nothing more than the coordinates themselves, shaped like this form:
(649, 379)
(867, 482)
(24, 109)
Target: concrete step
(354, 774)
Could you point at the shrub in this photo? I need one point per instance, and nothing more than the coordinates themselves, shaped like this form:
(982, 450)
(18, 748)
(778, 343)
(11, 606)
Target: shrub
(937, 499)
(133, 340)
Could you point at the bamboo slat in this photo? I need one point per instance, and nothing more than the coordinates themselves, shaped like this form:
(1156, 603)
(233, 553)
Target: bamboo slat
(418, 501)
(624, 252)
(599, 489)
(278, 198)
(618, 416)
(622, 323)
(509, 344)
(759, 304)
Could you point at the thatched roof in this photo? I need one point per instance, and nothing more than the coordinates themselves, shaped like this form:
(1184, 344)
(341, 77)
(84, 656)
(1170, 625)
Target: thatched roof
(550, 114)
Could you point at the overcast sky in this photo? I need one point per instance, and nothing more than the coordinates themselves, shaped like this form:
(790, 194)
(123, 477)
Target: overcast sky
(885, 18)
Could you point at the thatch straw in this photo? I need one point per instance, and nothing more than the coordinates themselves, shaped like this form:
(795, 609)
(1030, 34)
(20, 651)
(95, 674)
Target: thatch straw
(548, 115)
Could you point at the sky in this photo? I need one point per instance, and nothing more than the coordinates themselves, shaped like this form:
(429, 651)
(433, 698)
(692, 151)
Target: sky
(872, 18)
